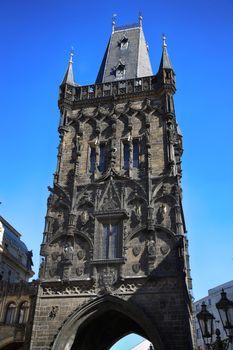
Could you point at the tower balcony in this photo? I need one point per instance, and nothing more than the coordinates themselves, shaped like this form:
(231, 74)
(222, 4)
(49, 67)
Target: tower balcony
(122, 89)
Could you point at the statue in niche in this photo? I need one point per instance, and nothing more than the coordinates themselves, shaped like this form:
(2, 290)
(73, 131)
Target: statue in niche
(84, 217)
(67, 255)
(137, 209)
(170, 132)
(151, 249)
(164, 190)
(161, 213)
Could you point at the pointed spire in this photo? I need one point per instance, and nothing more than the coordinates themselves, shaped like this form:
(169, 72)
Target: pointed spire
(113, 22)
(140, 19)
(165, 61)
(68, 78)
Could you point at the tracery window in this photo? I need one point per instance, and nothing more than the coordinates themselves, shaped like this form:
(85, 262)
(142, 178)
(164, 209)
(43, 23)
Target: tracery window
(136, 153)
(110, 241)
(126, 156)
(23, 313)
(130, 152)
(103, 157)
(10, 313)
(92, 159)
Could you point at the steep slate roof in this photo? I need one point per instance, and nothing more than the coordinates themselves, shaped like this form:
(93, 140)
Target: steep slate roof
(134, 57)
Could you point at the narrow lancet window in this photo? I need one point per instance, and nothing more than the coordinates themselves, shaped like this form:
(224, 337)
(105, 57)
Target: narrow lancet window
(126, 156)
(92, 159)
(110, 247)
(102, 160)
(135, 154)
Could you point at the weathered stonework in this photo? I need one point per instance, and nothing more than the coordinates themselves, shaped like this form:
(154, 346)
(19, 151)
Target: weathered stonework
(114, 247)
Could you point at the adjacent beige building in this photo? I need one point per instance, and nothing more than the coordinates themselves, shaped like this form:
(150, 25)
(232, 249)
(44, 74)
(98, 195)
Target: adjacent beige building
(16, 293)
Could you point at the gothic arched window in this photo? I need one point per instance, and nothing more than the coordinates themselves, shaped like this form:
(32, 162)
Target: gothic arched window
(110, 241)
(103, 157)
(126, 155)
(135, 153)
(10, 313)
(92, 159)
(23, 312)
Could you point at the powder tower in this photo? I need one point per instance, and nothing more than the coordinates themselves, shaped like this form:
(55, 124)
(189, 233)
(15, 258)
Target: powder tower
(115, 255)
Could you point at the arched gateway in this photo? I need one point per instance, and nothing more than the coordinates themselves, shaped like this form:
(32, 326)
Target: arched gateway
(115, 249)
(102, 322)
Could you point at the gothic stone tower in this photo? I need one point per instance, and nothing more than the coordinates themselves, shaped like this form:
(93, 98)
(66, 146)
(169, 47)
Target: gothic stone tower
(114, 247)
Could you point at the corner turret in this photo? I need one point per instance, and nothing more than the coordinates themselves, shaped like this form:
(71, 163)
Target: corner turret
(166, 72)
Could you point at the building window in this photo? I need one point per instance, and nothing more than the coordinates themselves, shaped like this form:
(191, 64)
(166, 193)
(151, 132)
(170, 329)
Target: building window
(110, 241)
(135, 153)
(120, 71)
(23, 313)
(124, 43)
(125, 156)
(10, 313)
(102, 160)
(92, 159)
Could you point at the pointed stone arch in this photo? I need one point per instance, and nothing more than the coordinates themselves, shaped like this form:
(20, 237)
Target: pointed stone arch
(86, 325)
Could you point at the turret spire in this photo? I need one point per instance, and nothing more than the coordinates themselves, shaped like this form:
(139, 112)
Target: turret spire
(165, 61)
(68, 78)
(113, 22)
(140, 19)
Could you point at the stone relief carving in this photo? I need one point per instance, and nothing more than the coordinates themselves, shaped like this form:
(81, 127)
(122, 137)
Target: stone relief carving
(164, 249)
(84, 217)
(107, 278)
(109, 198)
(80, 254)
(53, 312)
(55, 256)
(68, 252)
(80, 270)
(136, 267)
(136, 250)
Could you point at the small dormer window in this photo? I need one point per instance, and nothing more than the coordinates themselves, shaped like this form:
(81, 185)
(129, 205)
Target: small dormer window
(123, 43)
(120, 71)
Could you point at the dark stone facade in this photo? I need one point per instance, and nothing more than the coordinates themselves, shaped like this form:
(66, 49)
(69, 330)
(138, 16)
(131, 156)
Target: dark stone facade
(115, 249)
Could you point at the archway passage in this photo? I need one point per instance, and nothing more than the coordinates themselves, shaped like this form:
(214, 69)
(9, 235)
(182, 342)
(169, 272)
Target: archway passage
(102, 322)
(101, 332)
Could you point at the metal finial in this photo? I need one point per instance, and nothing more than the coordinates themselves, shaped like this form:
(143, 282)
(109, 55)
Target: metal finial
(164, 41)
(71, 54)
(140, 19)
(113, 22)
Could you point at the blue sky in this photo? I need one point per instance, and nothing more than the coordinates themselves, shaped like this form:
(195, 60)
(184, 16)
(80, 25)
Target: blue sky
(36, 37)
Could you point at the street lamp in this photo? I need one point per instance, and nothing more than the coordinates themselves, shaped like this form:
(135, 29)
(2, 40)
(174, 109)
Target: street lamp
(205, 320)
(225, 309)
